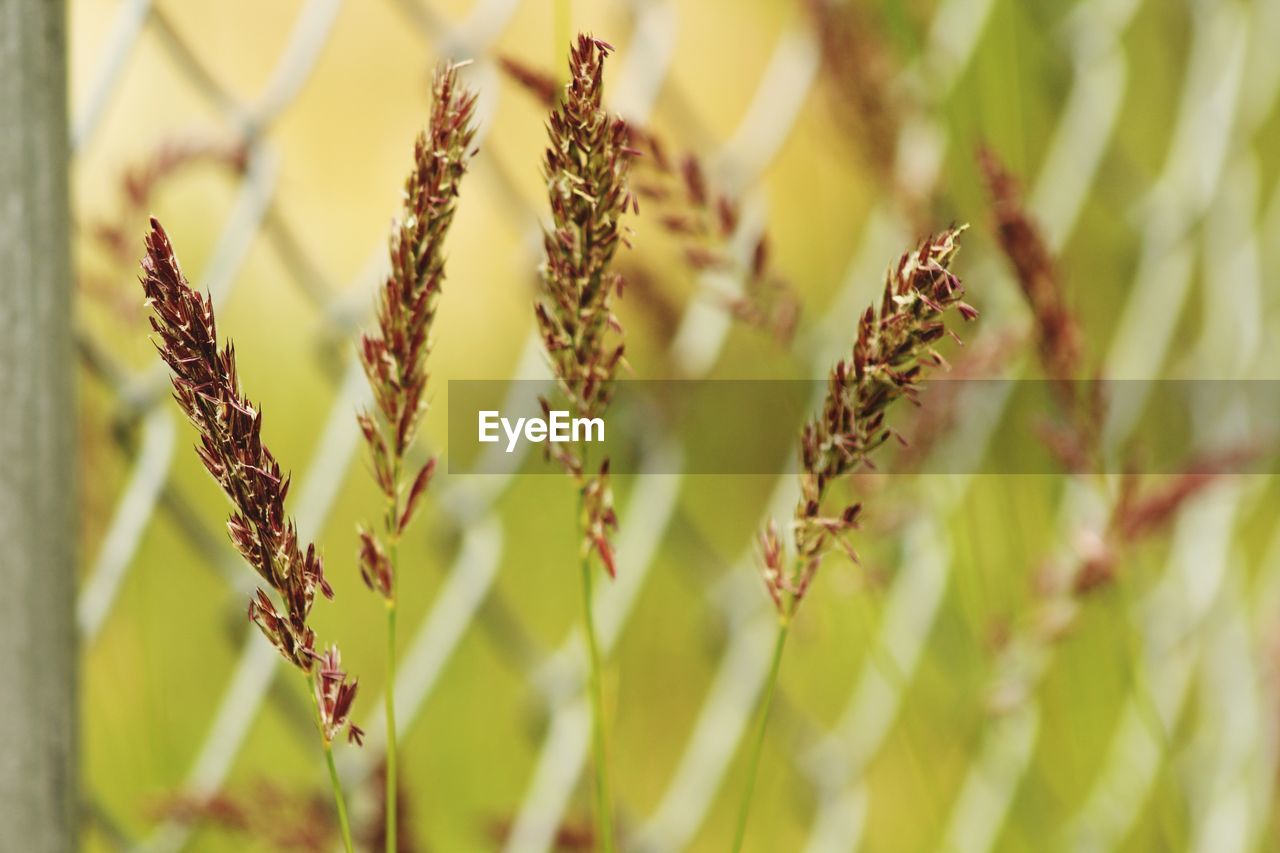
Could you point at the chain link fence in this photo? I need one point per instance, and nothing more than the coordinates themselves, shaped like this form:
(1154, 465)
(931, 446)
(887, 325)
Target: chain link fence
(1207, 589)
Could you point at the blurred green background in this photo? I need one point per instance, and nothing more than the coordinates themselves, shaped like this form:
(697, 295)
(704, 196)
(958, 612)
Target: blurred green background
(1146, 134)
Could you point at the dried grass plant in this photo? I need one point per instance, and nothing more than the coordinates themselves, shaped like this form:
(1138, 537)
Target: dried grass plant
(870, 98)
(207, 388)
(586, 168)
(1057, 334)
(859, 68)
(114, 235)
(1139, 511)
(703, 219)
(395, 357)
(894, 348)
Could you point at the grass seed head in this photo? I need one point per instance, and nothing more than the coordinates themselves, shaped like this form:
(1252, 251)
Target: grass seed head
(586, 169)
(334, 695)
(894, 348)
(206, 387)
(541, 85)
(1057, 333)
(703, 220)
(395, 354)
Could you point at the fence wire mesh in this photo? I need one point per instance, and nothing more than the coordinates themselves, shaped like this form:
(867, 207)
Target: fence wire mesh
(1193, 691)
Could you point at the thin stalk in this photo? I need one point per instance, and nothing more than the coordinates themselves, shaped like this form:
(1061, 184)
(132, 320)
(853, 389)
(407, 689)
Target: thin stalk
(757, 745)
(392, 775)
(339, 800)
(392, 781)
(603, 800)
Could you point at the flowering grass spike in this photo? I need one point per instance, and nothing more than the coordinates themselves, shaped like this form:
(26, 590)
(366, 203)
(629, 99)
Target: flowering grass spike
(395, 356)
(703, 220)
(586, 167)
(894, 346)
(586, 172)
(207, 388)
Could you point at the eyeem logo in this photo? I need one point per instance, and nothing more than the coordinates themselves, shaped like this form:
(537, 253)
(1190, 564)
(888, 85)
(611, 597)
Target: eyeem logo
(558, 428)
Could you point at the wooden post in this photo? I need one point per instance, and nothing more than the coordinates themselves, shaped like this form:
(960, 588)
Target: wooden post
(38, 800)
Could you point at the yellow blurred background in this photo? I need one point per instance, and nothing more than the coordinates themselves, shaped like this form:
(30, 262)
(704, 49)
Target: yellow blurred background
(1146, 135)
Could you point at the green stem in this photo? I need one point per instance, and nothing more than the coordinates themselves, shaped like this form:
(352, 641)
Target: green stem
(757, 745)
(341, 802)
(392, 776)
(391, 785)
(603, 801)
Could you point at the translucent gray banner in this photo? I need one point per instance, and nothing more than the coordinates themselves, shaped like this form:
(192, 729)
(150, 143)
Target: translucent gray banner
(989, 426)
